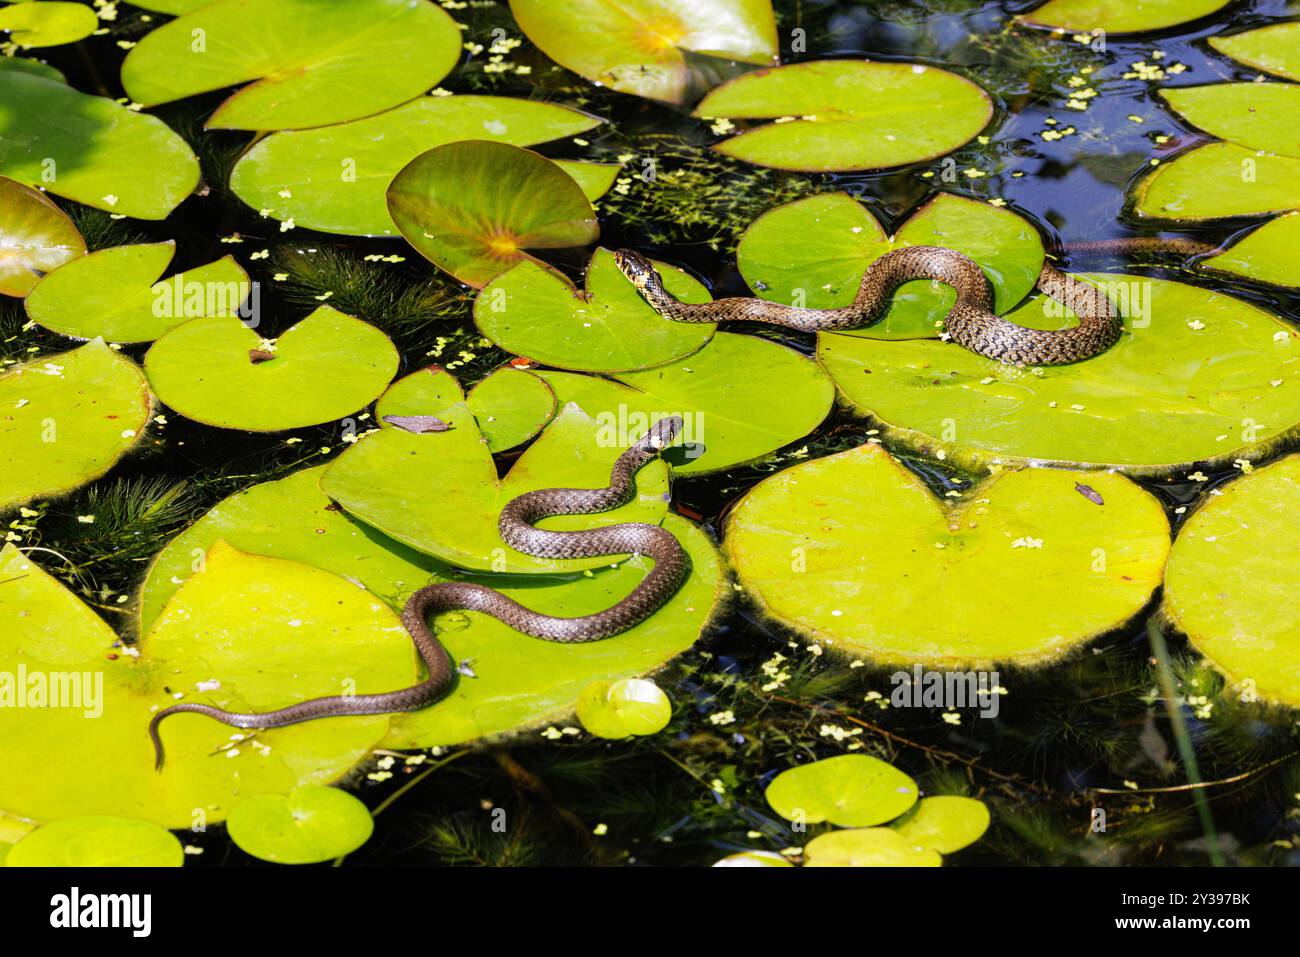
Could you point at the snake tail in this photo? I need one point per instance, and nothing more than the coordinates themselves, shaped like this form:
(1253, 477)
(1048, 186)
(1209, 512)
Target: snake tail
(518, 529)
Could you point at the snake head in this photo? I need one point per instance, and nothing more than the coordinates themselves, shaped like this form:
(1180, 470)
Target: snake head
(662, 433)
(635, 267)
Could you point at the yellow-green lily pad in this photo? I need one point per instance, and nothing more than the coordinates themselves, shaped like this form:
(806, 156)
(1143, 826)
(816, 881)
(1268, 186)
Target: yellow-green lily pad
(1231, 581)
(47, 23)
(306, 826)
(1258, 116)
(945, 823)
(1266, 254)
(1120, 16)
(753, 859)
(313, 64)
(623, 708)
(851, 790)
(117, 294)
(855, 551)
(98, 841)
(848, 114)
(215, 371)
(1274, 49)
(1219, 181)
(36, 237)
(867, 847)
(511, 406)
(66, 419)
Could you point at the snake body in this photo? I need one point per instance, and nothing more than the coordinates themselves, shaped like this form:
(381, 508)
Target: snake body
(518, 529)
(971, 322)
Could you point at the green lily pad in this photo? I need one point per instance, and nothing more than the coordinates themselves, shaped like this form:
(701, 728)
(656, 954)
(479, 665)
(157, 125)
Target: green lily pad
(293, 519)
(235, 624)
(1274, 49)
(1219, 181)
(594, 179)
(116, 294)
(313, 63)
(851, 790)
(98, 841)
(325, 367)
(522, 681)
(66, 419)
(36, 237)
(175, 8)
(851, 114)
(623, 708)
(18, 64)
(753, 859)
(1120, 16)
(641, 46)
(334, 178)
(473, 207)
(607, 327)
(1258, 116)
(1266, 254)
(867, 847)
(854, 550)
(1231, 576)
(92, 150)
(48, 23)
(1197, 376)
(511, 406)
(306, 826)
(839, 239)
(730, 419)
(439, 492)
(946, 823)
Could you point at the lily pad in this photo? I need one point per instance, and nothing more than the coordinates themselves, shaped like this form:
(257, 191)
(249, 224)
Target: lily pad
(1258, 116)
(946, 823)
(607, 327)
(642, 46)
(623, 708)
(90, 149)
(473, 207)
(66, 419)
(851, 790)
(867, 847)
(730, 419)
(521, 681)
(854, 550)
(48, 23)
(1231, 578)
(325, 367)
(1197, 376)
(1266, 254)
(1274, 49)
(175, 8)
(35, 238)
(334, 178)
(839, 239)
(511, 406)
(851, 114)
(594, 179)
(1121, 16)
(18, 64)
(98, 841)
(439, 492)
(1219, 181)
(116, 294)
(306, 826)
(753, 859)
(313, 63)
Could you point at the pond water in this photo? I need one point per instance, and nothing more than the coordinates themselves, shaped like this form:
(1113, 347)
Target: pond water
(1091, 732)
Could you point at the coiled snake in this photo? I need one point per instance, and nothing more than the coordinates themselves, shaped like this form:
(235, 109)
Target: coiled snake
(517, 528)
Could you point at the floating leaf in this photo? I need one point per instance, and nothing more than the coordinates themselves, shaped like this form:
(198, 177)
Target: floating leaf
(867, 847)
(1022, 570)
(1274, 49)
(511, 406)
(729, 419)
(48, 23)
(325, 367)
(522, 681)
(641, 46)
(1266, 254)
(852, 790)
(753, 859)
(1258, 116)
(66, 419)
(90, 149)
(1197, 376)
(98, 841)
(175, 8)
(1219, 181)
(306, 826)
(1231, 581)
(608, 327)
(314, 63)
(851, 114)
(439, 492)
(473, 207)
(35, 238)
(839, 239)
(115, 294)
(623, 708)
(594, 179)
(1120, 16)
(946, 823)
(334, 178)
(17, 64)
